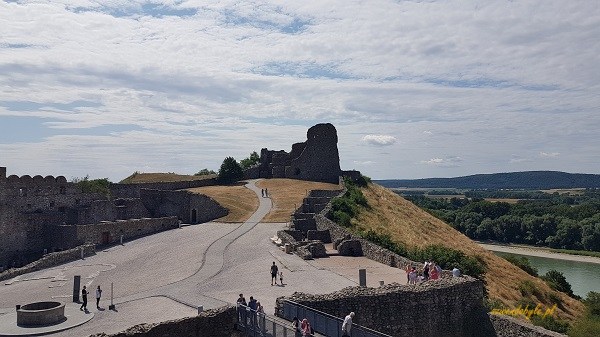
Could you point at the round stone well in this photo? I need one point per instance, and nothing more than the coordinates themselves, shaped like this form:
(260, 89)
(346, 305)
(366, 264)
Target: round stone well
(41, 313)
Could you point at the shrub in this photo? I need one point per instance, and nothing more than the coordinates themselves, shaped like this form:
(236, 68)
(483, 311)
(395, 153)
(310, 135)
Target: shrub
(550, 323)
(85, 185)
(205, 172)
(523, 263)
(385, 241)
(528, 288)
(449, 258)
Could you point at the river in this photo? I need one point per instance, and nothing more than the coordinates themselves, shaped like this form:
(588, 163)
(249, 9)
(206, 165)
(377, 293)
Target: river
(583, 276)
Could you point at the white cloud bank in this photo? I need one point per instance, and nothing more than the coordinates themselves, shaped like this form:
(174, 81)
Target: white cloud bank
(178, 85)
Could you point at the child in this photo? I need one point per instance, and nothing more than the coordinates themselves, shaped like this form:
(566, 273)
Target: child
(281, 277)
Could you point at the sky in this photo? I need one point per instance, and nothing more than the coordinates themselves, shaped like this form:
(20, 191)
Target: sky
(415, 89)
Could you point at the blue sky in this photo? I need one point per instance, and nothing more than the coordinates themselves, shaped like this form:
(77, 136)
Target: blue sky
(415, 88)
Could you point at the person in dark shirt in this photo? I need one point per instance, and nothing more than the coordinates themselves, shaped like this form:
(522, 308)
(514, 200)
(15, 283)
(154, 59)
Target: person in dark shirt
(84, 294)
(274, 271)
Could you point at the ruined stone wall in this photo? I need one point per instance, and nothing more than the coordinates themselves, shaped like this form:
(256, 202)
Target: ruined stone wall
(109, 232)
(319, 160)
(50, 260)
(187, 206)
(134, 190)
(111, 210)
(447, 307)
(210, 323)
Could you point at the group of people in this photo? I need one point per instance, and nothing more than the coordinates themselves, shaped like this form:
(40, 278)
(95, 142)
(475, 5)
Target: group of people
(84, 294)
(303, 328)
(256, 310)
(264, 192)
(429, 271)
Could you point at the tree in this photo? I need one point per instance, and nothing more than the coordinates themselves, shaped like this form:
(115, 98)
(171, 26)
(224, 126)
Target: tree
(205, 172)
(230, 171)
(557, 281)
(250, 161)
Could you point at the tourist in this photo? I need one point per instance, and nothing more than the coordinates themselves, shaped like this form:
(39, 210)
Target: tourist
(84, 294)
(455, 272)
(347, 325)
(296, 326)
(408, 269)
(433, 273)
(266, 193)
(98, 295)
(241, 300)
(281, 278)
(274, 271)
(412, 276)
(439, 270)
(262, 192)
(252, 304)
(260, 314)
(426, 271)
(307, 330)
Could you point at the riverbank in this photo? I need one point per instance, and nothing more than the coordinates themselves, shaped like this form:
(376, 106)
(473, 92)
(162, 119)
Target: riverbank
(536, 251)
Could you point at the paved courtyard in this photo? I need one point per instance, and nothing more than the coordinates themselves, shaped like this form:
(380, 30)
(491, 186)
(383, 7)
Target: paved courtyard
(168, 275)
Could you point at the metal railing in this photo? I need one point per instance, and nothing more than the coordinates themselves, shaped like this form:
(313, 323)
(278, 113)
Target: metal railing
(257, 324)
(324, 323)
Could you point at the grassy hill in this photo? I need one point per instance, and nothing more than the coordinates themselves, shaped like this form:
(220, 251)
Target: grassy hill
(405, 223)
(512, 180)
(138, 178)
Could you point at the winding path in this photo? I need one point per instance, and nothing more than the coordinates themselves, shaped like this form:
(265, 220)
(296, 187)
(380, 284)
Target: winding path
(185, 290)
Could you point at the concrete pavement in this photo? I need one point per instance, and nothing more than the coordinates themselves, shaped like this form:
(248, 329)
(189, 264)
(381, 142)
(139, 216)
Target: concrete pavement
(167, 275)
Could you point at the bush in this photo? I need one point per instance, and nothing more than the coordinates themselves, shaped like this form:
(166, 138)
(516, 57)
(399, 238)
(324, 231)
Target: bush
(523, 263)
(250, 161)
(550, 323)
(205, 172)
(230, 171)
(449, 258)
(85, 185)
(557, 281)
(528, 288)
(385, 241)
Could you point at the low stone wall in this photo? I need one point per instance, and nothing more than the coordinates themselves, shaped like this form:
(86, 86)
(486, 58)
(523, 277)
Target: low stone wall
(308, 250)
(50, 260)
(447, 307)
(506, 326)
(110, 232)
(210, 323)
(290, 236)
(133, 190)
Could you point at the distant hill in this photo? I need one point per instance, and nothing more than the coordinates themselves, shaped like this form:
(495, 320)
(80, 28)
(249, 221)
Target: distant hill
(514, 180)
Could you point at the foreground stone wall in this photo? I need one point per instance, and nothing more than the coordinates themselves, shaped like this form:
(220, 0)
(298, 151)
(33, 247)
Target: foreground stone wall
(506, 326)
(211, 323)
(50, 260)
(446, 307)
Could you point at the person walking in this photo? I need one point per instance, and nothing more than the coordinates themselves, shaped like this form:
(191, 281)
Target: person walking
(274, 271)
(347, 325)
(98, 295)
(84, 294)
(307, 330)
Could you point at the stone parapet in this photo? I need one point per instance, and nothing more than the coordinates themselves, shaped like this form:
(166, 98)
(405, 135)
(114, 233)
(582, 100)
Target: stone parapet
(50, 260)
(210, 323)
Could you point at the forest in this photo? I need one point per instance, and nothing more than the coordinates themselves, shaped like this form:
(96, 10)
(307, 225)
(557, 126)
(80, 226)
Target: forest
(542, 219)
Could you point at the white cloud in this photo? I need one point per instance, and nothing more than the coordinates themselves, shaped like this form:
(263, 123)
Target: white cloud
(379, 140)
(549, 154)
(443, 162)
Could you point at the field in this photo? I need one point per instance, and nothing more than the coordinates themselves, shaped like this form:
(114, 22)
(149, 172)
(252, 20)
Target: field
(286, 194)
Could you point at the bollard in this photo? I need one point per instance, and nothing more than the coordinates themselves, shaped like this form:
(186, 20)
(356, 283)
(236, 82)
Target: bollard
(76, 288)
(111, 306)
(121, 240)
(200, 309)
(362, 277)
(82, 253)
(45, 251)
(381, 283)
(18, 306)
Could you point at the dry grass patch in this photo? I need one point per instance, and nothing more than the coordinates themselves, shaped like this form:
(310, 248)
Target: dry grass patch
(410, 225)
(138, 178)
(288, 194)
(240, 201)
